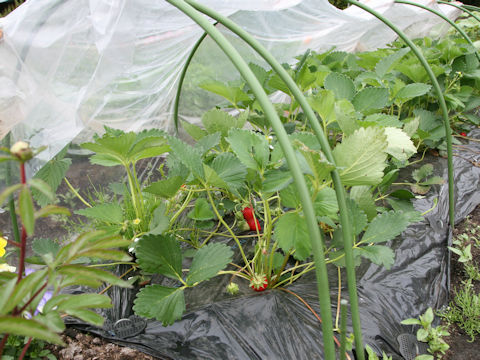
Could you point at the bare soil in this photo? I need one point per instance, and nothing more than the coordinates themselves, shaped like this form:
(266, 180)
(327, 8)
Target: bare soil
(86, 347)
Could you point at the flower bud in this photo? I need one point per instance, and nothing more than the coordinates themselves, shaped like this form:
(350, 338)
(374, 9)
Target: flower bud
(21, 150)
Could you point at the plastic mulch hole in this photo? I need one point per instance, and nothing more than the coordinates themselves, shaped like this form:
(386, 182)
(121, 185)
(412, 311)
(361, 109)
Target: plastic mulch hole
(132, 326)
(410, 347)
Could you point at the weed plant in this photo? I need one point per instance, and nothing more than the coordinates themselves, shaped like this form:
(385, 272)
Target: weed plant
(432, 335)
(464, 310)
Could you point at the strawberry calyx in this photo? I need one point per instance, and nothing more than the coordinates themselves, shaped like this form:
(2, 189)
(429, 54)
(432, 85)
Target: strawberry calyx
(259, 282)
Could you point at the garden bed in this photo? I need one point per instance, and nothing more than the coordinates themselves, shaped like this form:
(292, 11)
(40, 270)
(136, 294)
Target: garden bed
(243, 234)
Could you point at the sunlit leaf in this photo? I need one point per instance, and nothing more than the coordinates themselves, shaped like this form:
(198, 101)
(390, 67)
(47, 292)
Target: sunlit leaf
(399, 144)
(360, 158)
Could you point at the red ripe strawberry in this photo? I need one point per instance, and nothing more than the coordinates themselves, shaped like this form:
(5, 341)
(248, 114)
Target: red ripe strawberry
(258, 282)
(463, 133)
(252, 226)
(252, 222)
(247, 213)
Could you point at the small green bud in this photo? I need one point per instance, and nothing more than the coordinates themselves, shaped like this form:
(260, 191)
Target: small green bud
(232, 288)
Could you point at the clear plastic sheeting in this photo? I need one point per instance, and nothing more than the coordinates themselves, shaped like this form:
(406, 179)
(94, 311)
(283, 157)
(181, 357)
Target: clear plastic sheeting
(276, 325)
(69, 66)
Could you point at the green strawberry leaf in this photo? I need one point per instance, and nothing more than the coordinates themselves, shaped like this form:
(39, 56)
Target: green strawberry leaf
(411, 91)
(208, 261)
(202, 211)
(206, 143)
(357, 217)
(292, 234)
(385, 64)
(251, 148)
(385, 227)
(361, 157)
(260, 73)
(422, 173)
(399, 144)
(341, 85)
(325, 203)
(346, 116)
(378, 254)
(160, 222)
(276, 180)
(160, 254)
(162, 303)
(196, 132)
(313, 162)
(323, 102)
(45, 248)
(219, 121)
(363, 197)
(234, 94)
(165, 188)
(230, 170)
(188, 156)
(370, 98)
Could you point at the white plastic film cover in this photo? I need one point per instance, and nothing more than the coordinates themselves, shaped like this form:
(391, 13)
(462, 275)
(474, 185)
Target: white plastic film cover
(73, 65)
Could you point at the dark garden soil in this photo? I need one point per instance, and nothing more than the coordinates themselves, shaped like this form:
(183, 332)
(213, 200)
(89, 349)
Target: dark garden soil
(82, 346)
(460, 346)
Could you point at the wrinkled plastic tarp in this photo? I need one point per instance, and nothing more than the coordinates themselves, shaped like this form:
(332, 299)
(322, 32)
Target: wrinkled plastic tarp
(67, 66)
(276, 325)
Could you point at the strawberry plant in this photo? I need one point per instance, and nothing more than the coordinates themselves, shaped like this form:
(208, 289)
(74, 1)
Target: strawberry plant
(233, 182)
(267, 200)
